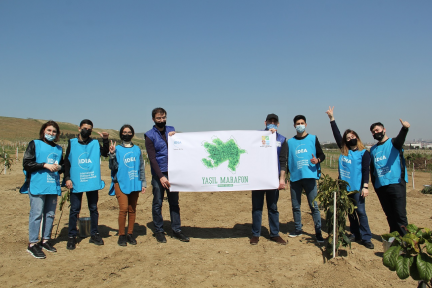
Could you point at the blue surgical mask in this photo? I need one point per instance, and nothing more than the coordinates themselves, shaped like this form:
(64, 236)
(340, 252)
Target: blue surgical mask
(300, 128)
(272, 126)
(50, 137)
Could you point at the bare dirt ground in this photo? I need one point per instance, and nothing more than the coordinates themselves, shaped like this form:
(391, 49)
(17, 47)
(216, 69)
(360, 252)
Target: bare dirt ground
(218, 255)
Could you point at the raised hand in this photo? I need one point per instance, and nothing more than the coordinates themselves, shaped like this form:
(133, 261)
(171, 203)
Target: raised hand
(112, 147)
(404, 123)
(314, 160)
(104, 135)
(330, 113)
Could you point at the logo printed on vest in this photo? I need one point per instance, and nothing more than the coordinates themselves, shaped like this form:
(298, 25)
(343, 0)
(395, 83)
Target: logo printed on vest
(346, 160)
(129, 159)
(299, 150)
(84, 161)
(52, 158)
(380, 158)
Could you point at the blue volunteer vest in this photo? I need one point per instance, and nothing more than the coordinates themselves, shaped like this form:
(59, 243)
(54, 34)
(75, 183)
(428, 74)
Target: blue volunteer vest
(85, 166)
(387, 163)
(300, 154)
(350, 169)
(128, 173)
(43, 181)
(160, 146)
(279, 142)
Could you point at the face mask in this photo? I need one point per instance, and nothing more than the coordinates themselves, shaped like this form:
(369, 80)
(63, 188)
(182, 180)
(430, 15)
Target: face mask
(126, 138)
(85, 133)
(271, 126)
(300, 128)
(352, 142)
(379, 136)
(160, 124)
(50, 137)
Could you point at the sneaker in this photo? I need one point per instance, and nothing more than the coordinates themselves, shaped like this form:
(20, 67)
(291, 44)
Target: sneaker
(36, 251)
(254, 240)
(278, 240)
(368, 244)
(319, 238)
(47, 246)
(71, 244)
(296, 233)
(181, 236)
(131, 240)
(160, 237)
(122, 240)
(96, 239)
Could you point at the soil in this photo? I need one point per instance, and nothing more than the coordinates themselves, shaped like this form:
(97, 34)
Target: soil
(218, 255)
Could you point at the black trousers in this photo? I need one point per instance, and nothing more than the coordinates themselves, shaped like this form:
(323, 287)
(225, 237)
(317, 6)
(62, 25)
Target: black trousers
(393, 201)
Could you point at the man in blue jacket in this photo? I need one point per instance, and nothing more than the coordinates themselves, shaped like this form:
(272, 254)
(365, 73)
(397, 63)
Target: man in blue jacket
(389, 175)
(157, 149)
(272, 196)
(304, 170)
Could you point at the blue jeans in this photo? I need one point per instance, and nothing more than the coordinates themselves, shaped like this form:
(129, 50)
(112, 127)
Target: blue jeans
(310, 187)
(272, 197)
(173, 201)
(359, 224)
(75, 200)
(41, 207)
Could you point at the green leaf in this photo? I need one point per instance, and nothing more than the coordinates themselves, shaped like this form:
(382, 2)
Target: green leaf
(428, 247)
(403, 265)
(388, 236)
(390, 256)
(414, 269)
(424, 267)
(412, 228)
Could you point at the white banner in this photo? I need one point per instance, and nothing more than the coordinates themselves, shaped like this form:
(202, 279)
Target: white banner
(223, 161)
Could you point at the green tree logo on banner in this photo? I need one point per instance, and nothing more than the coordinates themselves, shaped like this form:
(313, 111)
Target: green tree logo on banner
(219, 152)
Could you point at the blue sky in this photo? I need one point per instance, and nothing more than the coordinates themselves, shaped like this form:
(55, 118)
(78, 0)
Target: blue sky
(219, 65)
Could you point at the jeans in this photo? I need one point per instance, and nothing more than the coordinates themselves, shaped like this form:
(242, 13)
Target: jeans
(173, 201)
(272, 197)
(41, 207)
(310, 187)
(393, 201)
(75, 200)
(359, 224)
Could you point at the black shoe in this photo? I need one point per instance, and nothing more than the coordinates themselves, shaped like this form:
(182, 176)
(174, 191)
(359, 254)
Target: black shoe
(96, 239)
(368, 245)
(131, 240)
(296, 233)
(47, 246)
(353, 238)
(71, 244)
(122, 240)
(181, 236)
(160, 237)
(36, 251)
(319, 238)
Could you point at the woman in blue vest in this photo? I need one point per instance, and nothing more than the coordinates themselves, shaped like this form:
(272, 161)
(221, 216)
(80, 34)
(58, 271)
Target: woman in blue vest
(42, 163)
(128, 179)
(354, 168)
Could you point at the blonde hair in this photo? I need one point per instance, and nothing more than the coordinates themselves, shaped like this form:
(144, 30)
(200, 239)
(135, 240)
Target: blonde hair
(345, 146)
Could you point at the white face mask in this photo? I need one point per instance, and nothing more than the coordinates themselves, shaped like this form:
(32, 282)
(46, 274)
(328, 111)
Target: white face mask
(300, 128)
(50, 137)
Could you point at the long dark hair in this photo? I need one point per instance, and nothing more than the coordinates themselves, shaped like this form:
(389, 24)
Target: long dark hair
(45, 125)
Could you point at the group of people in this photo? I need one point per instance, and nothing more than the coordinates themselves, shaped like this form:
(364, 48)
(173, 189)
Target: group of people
(300, 156)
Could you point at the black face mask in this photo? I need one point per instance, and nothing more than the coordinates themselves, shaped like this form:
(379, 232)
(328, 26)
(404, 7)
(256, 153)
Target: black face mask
(352, 142)
(126, 138)
(160, 124)
(85, 133)
(379, 136)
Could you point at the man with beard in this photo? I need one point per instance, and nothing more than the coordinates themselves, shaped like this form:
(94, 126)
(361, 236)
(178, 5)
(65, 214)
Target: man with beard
(389, 175)
(157, 149)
